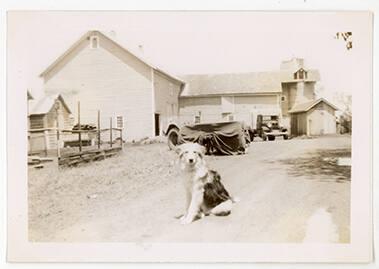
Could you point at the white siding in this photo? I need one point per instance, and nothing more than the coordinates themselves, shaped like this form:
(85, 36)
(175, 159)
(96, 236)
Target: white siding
(248, 107)
(209, 108)
(321, 120)
(240, 108)
(166, 99)
(106, 79)
(227, 103)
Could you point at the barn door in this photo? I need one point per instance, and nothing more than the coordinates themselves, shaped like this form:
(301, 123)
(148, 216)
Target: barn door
(317, 123)
(157, 124)
(294, 128)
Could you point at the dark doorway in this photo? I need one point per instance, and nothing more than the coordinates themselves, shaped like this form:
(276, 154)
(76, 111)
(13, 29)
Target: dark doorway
(157, 121)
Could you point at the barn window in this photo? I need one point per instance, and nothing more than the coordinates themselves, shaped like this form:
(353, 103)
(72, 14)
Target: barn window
(227, 116)
(227, 104)
(198, 117)
(301, 74)
(94, 42)
(120, 122)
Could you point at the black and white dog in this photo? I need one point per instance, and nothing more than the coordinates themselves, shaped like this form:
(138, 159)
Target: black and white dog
(205, 194)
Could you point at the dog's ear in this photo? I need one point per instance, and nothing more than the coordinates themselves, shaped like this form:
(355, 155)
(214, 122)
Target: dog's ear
(178, 149)
(201, 149)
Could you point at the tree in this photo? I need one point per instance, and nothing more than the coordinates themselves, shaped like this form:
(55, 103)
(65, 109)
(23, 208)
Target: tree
(345, 119)
(346, 37)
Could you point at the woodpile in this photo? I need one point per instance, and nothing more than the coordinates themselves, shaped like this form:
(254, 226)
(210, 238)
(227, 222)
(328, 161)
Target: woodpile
(33, 160)
(84, 127)
(87, 156)
(37, 162)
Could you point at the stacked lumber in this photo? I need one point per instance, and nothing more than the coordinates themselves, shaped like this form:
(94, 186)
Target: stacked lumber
(33, 160)
(84, 127)
(37, 162)
(87, 156)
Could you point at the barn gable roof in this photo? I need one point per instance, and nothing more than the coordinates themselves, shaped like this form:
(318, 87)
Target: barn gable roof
(237, 83)
(45, 104)
(241, 83)
(304, 107)
(99, 33)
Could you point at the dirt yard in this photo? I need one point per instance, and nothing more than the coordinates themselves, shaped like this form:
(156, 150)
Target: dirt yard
(290, 191)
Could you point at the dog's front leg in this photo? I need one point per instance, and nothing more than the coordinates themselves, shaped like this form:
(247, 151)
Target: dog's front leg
(187, 204)
(194, 207)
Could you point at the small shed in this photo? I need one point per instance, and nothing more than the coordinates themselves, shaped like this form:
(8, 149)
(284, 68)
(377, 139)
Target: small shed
(313, 118)
(45, 115)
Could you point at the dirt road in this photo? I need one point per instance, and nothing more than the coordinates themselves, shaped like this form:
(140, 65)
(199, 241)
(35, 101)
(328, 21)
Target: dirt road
(290, 191)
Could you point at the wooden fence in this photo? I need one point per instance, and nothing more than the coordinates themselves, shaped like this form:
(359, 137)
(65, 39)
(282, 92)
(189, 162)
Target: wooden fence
(87, 156)
(77, 145)
(98, 151)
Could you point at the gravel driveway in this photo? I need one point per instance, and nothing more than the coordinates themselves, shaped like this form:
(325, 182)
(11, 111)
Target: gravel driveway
(290, 191)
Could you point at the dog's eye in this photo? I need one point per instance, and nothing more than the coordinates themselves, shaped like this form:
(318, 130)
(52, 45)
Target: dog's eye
(199, 154)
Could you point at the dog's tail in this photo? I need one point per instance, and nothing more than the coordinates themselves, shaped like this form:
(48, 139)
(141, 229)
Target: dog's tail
(225, 207)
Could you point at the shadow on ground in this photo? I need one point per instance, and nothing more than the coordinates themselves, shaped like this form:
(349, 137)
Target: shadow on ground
(321, 165)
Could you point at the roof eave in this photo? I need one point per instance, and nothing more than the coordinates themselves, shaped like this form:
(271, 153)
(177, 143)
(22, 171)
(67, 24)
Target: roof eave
(64, 54)
(64, 103)
(182, 82)
(299, 80)
(297, 111)
(313, 105)
(230, 94)
(86, 35)
(37, 113)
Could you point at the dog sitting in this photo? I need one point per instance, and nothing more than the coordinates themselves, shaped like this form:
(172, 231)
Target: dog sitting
(205, 194)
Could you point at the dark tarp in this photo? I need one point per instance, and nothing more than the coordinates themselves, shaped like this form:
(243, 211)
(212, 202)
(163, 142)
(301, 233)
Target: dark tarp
(225, 138)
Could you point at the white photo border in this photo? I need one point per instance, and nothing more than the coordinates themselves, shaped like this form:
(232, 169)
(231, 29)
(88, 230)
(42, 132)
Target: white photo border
(359, 250)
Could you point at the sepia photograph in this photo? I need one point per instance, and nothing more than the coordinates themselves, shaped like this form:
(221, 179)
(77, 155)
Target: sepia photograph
(191, 127)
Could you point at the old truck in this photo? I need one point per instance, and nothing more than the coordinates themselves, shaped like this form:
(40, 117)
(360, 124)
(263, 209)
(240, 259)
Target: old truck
(268, 128)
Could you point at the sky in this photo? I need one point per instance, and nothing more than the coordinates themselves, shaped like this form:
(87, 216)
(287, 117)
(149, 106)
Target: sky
(201, 42)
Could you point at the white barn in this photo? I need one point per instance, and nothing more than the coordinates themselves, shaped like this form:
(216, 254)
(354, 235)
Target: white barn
(103, 75)
(242, 96)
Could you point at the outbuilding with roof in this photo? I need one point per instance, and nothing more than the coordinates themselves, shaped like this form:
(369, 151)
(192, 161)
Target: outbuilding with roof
(45, 115)
(313, 118)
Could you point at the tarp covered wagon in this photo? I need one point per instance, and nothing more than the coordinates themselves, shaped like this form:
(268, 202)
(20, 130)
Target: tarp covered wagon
(224, 138)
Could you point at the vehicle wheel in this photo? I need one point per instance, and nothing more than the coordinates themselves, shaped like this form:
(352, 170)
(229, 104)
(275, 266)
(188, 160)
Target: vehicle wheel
(271, 138)
(172, 138)
(285, 137)
(251, 134)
